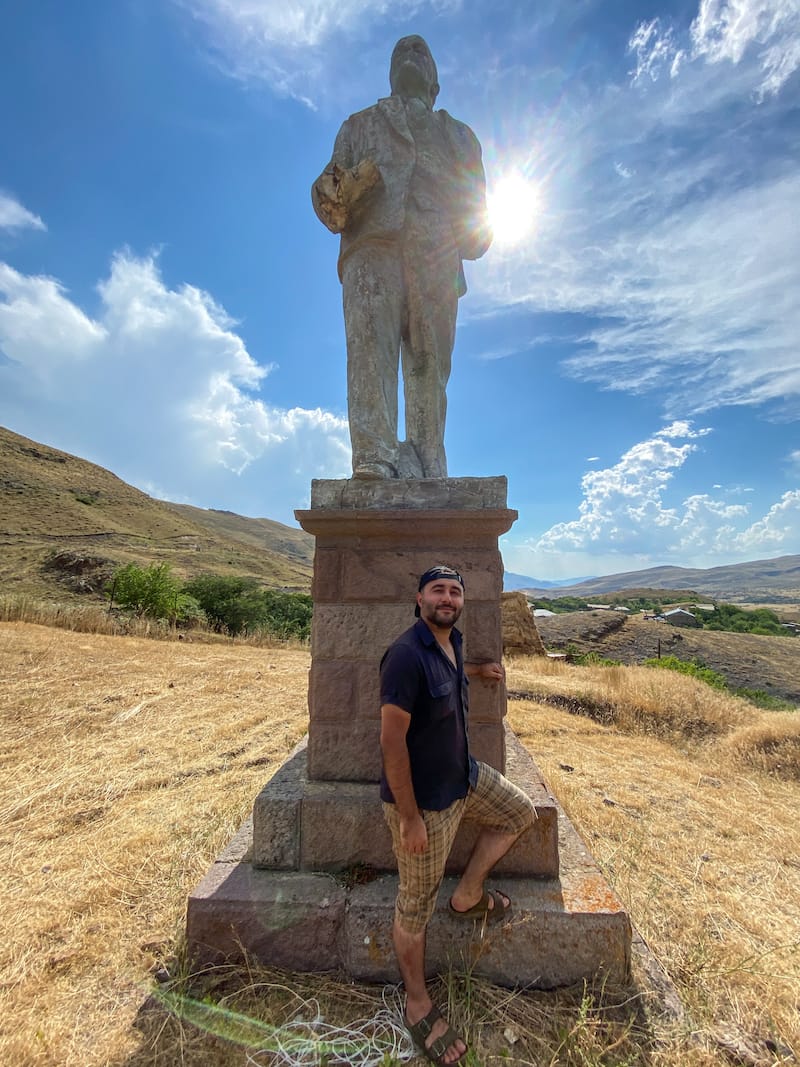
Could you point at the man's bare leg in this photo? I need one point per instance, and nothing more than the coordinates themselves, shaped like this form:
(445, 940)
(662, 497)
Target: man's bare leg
(410, 951)
(490, 847)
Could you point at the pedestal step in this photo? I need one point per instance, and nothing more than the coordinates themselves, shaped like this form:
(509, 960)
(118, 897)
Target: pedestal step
(562, 930)
(307, 825)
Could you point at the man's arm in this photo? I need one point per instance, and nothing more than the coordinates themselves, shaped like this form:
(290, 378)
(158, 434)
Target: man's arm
(394, 727)
(490, 672)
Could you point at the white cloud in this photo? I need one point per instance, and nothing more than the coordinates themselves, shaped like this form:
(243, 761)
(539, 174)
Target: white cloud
(623, 506)
(778, 528)
(41, 328)
(794, 459)
(762, 35)
(726, 29)
(160, 388)
(630, 519)
(13, 216)
(654, 47)
(290, 45)
(689, 268)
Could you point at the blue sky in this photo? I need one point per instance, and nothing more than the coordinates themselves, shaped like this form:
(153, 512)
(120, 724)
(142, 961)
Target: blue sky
(628, 353)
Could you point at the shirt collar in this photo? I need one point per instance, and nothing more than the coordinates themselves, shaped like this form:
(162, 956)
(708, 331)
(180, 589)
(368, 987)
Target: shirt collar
(425, 634)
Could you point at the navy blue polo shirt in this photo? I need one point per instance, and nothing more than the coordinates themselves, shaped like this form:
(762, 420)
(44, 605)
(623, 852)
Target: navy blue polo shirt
(417, 676)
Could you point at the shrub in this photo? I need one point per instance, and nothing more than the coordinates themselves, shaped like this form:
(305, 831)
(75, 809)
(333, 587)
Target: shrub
(152, 591)
(232, 604)
(690, 667)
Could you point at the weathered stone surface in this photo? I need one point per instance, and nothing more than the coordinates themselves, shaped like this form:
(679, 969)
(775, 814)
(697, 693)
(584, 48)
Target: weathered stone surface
(520, 636)
(340, 691)
(483, 640)
(433, 530)
(562, 930)
(357, 631)
(487, 744)
(402, 493)
(560, 933)
(378, 575)
(326, 583)
(340, 823)
(291, 920)
(347, 753)
(276, 814)
(487, 701)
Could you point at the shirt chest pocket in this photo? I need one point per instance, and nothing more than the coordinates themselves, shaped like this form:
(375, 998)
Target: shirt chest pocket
(441, 697)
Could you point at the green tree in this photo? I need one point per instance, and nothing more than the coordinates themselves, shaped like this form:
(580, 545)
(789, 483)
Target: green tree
(231, 603)
(288, 614)
(152, 591)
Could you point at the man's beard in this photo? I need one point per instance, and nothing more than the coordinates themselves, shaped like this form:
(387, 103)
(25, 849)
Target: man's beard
(442, 617)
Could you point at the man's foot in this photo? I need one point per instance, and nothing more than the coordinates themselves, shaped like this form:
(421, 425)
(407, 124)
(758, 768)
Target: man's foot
(435, 1038)
(493, 907)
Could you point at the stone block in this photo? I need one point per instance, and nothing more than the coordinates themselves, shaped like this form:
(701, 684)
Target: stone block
(381, 575)
(430, 531)
(483, 640)
(337, 824)
(326, 584)
(340, 691)
(341, 752)
(290, 920)
(343, 825)
(357, 631)
(276, 814)
(559, 934)
(487, 744)
(409, 493)
(487, 701)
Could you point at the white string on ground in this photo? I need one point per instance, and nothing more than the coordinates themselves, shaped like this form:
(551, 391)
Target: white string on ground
(306, 1039)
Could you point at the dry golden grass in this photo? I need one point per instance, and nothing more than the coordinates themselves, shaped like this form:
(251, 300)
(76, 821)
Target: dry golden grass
(700, 843)
(127, 763)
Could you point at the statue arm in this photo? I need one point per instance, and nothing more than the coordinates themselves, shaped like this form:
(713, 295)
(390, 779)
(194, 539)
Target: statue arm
(339, 191)
(474, 231)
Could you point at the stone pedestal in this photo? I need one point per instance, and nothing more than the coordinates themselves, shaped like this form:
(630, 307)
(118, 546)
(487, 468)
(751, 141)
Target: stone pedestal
(305, 885)
(564, 929)
(373, 540)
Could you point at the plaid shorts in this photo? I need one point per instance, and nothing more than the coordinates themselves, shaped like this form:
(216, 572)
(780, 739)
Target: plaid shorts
(494, 802)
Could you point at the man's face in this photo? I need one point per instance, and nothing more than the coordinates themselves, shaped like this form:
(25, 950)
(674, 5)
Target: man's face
(413, 72)
(441, 602)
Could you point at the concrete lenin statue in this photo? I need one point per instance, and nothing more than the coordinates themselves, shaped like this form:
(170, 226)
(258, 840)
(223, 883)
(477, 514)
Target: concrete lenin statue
(407, 192)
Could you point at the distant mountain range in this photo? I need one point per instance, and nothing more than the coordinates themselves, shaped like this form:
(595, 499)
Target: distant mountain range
(513, 581)
(760, 581)
(66, 524)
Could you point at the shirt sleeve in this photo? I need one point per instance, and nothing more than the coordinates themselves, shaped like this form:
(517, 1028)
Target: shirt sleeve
(400, 678)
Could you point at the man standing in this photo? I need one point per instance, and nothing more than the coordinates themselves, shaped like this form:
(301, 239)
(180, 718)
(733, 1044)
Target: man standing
(429, 783)
(406, 190)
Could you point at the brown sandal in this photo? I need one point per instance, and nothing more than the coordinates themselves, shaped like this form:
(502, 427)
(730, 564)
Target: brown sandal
(482, 911)
(423, 1029)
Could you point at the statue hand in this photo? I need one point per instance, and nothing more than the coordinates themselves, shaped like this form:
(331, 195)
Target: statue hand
(338, 190)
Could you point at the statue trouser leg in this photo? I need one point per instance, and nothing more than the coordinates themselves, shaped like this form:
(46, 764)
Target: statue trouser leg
(431, 268)
(372, 292)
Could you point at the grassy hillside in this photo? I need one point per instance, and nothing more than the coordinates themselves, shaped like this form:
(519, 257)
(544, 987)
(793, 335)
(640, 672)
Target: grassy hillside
(53, 504)
(134, 761)
(747, 661)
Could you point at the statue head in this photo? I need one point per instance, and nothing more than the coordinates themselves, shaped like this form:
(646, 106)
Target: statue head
(412, 71)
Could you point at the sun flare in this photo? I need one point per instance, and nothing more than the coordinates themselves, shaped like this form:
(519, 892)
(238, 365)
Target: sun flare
(514, 205)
